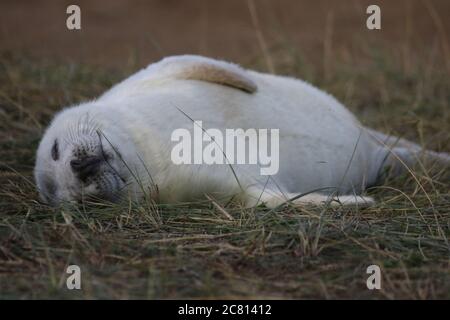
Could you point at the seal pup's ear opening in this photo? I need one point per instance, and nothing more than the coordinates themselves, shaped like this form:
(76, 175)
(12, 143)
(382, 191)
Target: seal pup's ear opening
(191, 67)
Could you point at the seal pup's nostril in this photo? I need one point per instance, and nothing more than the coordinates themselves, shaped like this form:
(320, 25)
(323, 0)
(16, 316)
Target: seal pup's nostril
(86, 167)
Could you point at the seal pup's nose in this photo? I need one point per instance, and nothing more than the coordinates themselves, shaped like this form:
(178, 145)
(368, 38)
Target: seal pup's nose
(86, 167)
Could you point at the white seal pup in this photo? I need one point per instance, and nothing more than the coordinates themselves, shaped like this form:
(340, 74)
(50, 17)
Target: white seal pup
(120, 145)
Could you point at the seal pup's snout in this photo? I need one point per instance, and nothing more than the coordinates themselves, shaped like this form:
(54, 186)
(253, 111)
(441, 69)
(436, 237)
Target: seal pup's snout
(86, 167)
(95, 170)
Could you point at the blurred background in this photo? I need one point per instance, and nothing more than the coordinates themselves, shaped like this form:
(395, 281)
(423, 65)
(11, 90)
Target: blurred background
(113, 32)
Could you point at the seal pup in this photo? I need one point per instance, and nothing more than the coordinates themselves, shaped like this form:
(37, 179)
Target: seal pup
(119, 145)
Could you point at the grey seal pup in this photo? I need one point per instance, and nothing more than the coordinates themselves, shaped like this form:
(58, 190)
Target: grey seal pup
(121, 145)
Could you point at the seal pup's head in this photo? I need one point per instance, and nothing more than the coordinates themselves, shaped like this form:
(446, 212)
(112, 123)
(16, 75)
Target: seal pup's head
(79, 158)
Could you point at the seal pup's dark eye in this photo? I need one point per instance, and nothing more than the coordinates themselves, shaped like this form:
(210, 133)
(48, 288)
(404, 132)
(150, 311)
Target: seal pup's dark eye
(55, 151)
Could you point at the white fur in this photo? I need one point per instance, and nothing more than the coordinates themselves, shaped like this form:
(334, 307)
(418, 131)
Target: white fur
(322, 145)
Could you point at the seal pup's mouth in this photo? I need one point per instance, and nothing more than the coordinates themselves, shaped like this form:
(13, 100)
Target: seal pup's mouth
(104, 186)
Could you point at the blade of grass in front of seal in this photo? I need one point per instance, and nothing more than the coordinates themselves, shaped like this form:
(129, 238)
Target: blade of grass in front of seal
(229, 163)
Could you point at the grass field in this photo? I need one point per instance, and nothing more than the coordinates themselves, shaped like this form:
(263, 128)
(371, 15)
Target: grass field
(195, 250)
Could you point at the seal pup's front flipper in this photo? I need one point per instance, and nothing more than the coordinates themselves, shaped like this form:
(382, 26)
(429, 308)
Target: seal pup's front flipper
(191, 67)
(187, 67)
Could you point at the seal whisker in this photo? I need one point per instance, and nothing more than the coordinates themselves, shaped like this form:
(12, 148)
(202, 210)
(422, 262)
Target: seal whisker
(105, 158)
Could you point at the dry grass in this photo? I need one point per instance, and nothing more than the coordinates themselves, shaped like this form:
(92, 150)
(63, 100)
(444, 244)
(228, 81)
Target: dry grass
(195, 250)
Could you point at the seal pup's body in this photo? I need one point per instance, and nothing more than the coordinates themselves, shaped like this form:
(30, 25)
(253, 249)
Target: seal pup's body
(324, 150)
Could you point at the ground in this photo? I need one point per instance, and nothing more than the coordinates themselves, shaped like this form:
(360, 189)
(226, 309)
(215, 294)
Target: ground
(196, 250)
